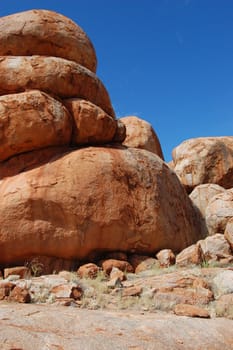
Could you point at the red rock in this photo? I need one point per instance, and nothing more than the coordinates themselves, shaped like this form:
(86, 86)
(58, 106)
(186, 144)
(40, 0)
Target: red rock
(53, 75)
(107, 265)
(32, 120)
(191, 311)
(5, 289)
(132, 291)
(140, 134)
(228, 233)
(120, 133)
(91, 200)
(67, 291)
(91, 124)
(29, 160)
(89, 270)
(20, 295)
(204, 160)
(219, 211)
(192, 255)
(45, 33)
(166, 257)
(22, 271)
(147, 264)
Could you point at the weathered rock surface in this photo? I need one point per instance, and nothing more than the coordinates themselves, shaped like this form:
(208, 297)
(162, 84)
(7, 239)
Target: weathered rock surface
(192, 255)
(219, 211)
(215, 247)
(91, 124)
(22, 162)
(92, 200)
(191, 311)
(140, 134)
(223, 283)
(45, 33)
(32, 120)
(228, 233)
(49, 327)
(166, 257)
(56, 76)
(205, 160)
(202, 194)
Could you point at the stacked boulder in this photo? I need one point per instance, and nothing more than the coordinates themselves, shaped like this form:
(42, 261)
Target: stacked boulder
(68, 188)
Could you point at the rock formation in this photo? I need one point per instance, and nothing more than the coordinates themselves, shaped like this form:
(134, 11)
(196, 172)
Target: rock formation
(61, 201)
(204, 160)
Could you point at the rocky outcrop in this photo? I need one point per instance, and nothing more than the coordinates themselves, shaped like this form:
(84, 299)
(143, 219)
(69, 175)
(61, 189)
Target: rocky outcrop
(92, 200)
(140, 134)
(45, 33)
(204, 160)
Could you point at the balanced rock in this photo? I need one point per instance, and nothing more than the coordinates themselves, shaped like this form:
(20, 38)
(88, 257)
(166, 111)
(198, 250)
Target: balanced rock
(54, 75)
(46, 33)
(95, 199)
(204, 160)
(140, 134)
(91, 124)
(32, 120)
(219, 211)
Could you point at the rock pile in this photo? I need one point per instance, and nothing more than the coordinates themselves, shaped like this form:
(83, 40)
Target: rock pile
(61, 197)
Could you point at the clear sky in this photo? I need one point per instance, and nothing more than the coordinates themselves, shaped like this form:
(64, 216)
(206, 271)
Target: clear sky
(167, 61)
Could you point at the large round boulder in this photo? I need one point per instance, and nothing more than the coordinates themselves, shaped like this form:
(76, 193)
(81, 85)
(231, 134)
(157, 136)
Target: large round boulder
(92, 200)
(46, 33)
(56, 76)
(204, 160)
(140, 134)
(32, 120)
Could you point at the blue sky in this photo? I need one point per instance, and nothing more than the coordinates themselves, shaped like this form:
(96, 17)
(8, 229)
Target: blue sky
(169, 62)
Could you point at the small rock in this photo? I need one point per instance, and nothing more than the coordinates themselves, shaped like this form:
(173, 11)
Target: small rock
(166, 257)
(20, 295)
(115, 283)
(132, 291)
(116, 273)
(122, 265)
(67, 291)
(5, 289)
(147, 264)
(190, 311)
(21, 271)
(215, 247)
(89, 270)
(191, 255)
